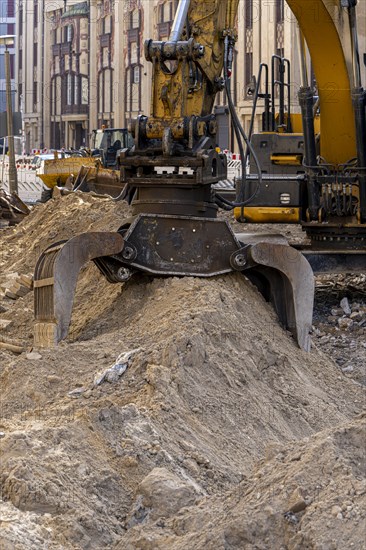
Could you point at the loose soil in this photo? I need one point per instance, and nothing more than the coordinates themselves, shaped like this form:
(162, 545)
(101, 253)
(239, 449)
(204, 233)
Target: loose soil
(221, 433)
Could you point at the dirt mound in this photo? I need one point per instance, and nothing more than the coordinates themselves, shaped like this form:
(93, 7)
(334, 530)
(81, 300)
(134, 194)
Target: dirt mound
(48, 223)
(54, 221)
(203, 439)
(308, 495)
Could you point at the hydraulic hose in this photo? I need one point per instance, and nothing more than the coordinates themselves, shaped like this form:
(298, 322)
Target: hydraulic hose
(240, 136)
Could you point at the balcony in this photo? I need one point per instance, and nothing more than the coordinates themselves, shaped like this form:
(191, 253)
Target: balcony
(75, 109)
(164, 29)
(133, 35)
(105, 40)
(66, 48)
(56, 50)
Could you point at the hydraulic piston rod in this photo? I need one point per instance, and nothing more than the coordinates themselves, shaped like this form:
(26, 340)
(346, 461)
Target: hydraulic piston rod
(179, 20)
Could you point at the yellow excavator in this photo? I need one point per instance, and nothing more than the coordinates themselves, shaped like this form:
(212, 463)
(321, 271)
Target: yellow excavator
(169, 175)
(317, 176)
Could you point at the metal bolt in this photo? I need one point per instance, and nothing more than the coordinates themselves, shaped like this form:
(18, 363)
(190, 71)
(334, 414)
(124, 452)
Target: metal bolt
(240, 260)
(123, 274)
(128, 253)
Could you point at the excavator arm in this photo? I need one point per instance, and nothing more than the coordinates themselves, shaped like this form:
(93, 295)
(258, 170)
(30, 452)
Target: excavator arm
(323, 24)
(168, 179)
(187, 68)
(186, 78)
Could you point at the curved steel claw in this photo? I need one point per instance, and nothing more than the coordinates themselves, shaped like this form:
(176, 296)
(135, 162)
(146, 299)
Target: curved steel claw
(286, 279)
(55, 279)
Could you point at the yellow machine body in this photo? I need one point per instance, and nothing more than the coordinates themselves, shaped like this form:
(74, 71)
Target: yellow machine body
(327, 37)
(271, 214)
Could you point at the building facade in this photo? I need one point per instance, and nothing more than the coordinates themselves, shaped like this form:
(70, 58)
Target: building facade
(7, 27)
(67, 38)
(31, 94)
(81, 65)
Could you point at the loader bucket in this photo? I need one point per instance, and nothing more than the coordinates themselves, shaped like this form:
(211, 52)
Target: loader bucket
(99, 180)
(55, 279)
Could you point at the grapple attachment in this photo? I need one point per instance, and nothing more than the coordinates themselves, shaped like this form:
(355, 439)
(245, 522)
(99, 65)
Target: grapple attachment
(55, 279)
(177, 246)
(285, 278)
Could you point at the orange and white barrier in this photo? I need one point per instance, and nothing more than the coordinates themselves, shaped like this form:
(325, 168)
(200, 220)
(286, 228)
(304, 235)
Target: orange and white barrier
(29, 186)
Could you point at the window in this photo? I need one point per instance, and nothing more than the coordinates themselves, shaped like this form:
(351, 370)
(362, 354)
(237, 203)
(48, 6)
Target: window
(12, 60)
(35, 14)
(133, 92)
(249, 14)
(133, 53)
(20, 95)
(279, 30)
(248, 57)
(136, 74)
(11, 9)
(68, 33)
(35, 95)
(135, 19)
(76, 90)
(84, 91)
(35, 54)
(280, 10)
(56, 96)
(69, 89)
(161, 13)
(279, 36)
(20, 21)
(107, 24)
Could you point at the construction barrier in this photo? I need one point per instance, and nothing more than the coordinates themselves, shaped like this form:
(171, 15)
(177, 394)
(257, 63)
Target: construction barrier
(29, 186)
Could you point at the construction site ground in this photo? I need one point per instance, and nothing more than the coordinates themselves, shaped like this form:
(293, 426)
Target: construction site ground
(214, 431)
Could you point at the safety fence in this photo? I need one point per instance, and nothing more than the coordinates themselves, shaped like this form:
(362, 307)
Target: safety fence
(29, 186)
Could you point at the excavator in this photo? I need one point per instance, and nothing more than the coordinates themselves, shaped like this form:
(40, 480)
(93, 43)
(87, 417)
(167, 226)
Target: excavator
(313, 169)
(170, 174)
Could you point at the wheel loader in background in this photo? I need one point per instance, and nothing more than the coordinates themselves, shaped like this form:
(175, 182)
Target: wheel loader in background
(107, 142)
(94, 169)
(170, 172)
(102, 177)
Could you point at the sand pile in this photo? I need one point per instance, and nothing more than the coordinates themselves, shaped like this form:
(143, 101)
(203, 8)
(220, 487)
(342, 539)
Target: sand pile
(219, 433)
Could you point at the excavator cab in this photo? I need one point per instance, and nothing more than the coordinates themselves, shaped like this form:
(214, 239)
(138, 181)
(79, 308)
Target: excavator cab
(168, 177)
